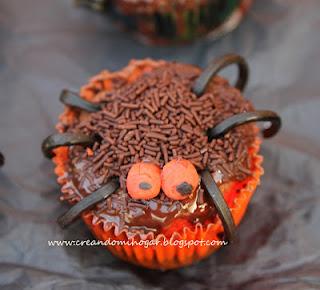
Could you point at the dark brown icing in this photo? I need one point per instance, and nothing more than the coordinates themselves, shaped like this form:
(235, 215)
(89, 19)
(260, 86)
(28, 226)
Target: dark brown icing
(226, 158)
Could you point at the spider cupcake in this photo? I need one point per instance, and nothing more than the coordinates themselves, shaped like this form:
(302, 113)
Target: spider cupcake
(160, 151)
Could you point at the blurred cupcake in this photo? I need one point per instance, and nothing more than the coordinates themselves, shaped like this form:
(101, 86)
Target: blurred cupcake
(160, 152)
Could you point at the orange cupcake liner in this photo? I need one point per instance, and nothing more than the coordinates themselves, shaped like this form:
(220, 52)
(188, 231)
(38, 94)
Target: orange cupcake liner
(161, 256)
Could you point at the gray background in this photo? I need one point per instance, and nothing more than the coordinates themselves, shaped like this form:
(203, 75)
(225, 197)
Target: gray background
(49, 45)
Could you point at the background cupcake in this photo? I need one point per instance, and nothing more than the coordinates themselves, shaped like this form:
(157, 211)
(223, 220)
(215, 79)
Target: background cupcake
(99, 5)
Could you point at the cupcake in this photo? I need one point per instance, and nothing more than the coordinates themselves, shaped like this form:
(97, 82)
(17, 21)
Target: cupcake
(160, 159)
(177, 21)
(99, 5)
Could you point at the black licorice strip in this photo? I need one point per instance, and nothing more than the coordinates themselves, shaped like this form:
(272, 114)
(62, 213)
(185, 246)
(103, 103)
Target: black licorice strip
(74, 100)
(220, 204)
(88, 202)
(216, 66)
(66, 139)
(2, 159)
(243, 118)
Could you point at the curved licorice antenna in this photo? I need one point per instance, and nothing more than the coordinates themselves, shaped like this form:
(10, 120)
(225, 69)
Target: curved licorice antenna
(88, 202)
(2, 159)
(248, 117)
(216, 66)
(65, 139)
(220, 204)
(72, 99)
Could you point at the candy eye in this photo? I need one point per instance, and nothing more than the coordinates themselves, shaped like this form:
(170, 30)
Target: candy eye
(179, 179)
(144, 180)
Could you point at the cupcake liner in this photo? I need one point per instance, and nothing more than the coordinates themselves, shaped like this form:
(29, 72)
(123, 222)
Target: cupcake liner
(237, 195)
(169, 22)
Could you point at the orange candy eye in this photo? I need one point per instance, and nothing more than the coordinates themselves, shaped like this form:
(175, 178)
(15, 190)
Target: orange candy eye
(179, 179)
(144, 180)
